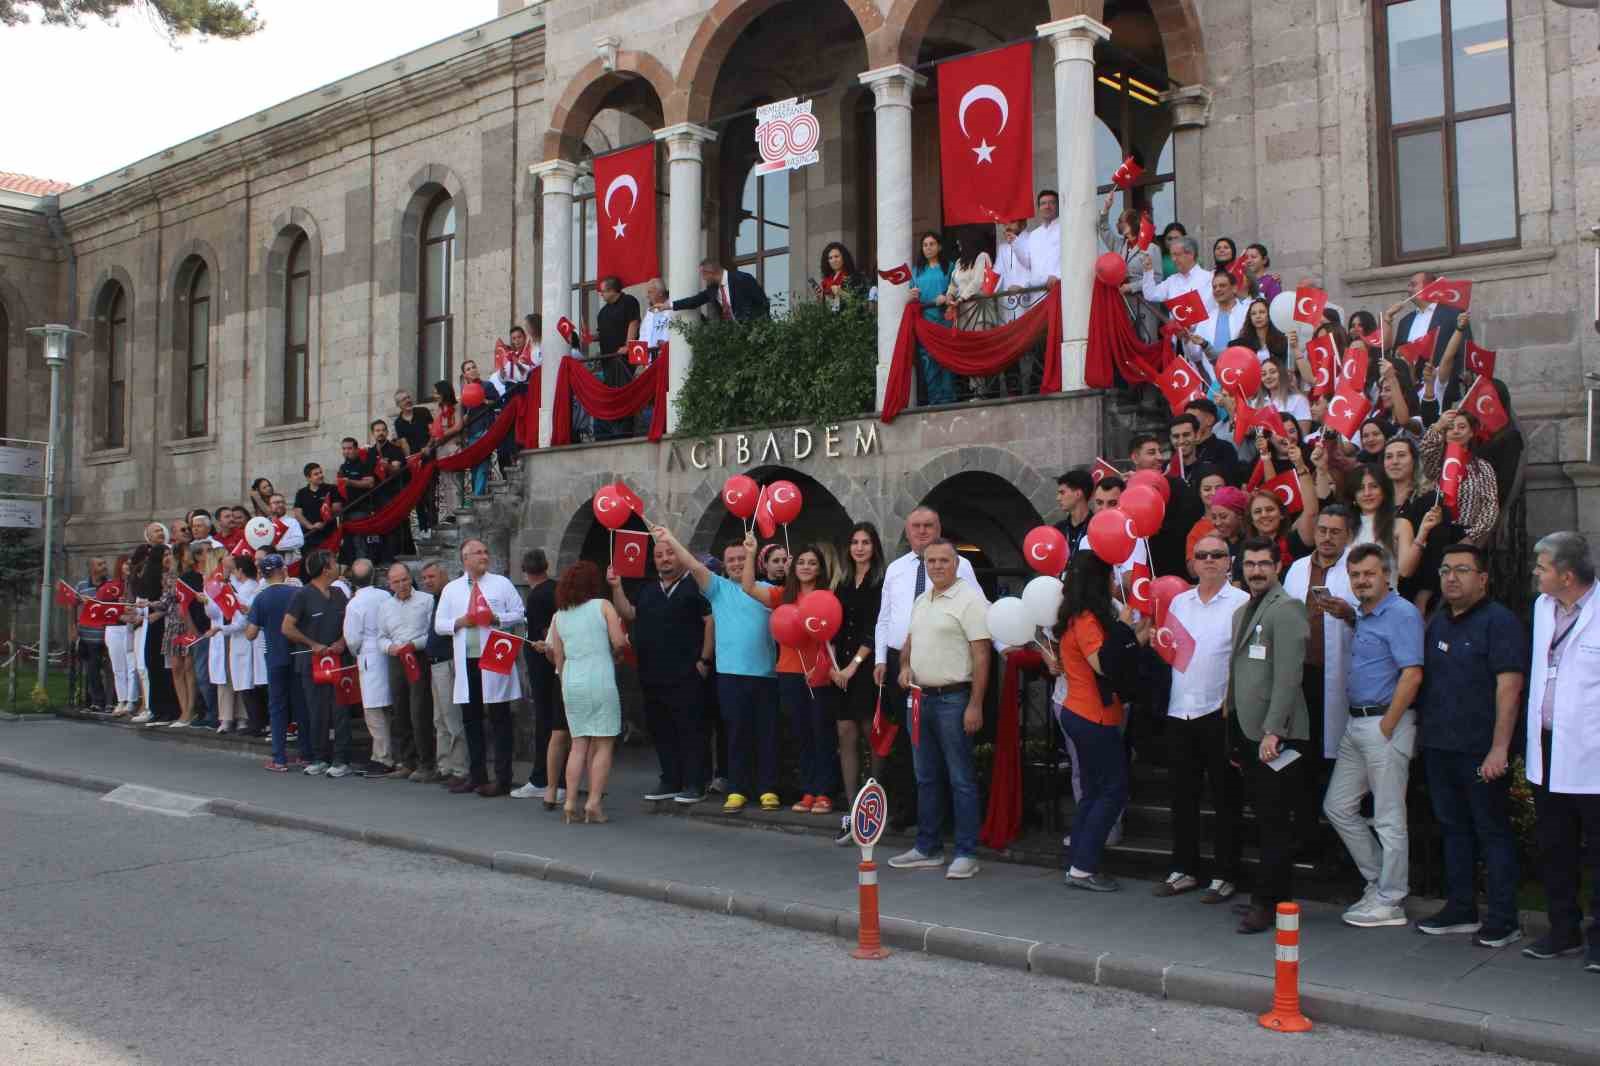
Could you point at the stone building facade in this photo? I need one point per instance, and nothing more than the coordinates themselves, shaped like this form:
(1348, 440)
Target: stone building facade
(407, 214)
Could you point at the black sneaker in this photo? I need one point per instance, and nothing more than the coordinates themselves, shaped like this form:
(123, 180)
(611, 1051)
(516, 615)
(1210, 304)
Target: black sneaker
(1554, 945)
(1450, 920)
(372, 768)
(844, 838)
(1497, 936)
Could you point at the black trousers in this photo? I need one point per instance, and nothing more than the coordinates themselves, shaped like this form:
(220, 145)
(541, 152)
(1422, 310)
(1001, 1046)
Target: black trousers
(93, 662)
(1198, 755)
(1568, 834)
(322, 713)
(255, 707)
(900, 780)
(549, 715)
(1318, 769)
(473, 713)
(1277, 796)
(672, 712)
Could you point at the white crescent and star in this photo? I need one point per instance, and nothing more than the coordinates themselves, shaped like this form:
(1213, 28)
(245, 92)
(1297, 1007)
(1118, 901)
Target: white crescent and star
(499, 647)
(984, 150)
(1285, 493)
(604, 503)
(1165, 639)
(621, 181)
(811, 627)
(1482, 405)
(1333, 404)
(1039, 552)
(1137, 593)
(630, 551)
(778, 494)
(1445, 475)
(1305, 305)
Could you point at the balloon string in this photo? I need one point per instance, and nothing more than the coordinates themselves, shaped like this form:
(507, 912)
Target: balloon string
(806, 677)
(1149, 558)
(786, 550)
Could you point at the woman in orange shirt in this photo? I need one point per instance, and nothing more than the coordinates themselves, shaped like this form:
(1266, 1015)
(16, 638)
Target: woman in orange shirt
(806, 694)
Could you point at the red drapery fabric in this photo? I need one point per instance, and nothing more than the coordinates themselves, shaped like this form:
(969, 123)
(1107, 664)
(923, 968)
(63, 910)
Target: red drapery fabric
(1003, 820)
(608, 403)
(974, 353)
(1114, 344)
(472, 454)
(528, 423)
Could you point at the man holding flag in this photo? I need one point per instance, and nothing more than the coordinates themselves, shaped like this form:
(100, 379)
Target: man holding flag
(469, 607)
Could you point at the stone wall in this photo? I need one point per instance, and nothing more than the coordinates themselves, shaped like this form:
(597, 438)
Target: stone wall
(29, 261)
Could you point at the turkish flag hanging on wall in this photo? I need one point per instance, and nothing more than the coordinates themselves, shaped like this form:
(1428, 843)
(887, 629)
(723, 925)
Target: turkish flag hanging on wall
(625, 204)
(986, 136)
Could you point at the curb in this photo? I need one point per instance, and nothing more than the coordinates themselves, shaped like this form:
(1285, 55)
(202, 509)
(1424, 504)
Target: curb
(1175, 981)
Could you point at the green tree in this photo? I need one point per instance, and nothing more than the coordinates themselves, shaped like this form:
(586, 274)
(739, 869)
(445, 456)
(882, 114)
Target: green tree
(175, 18)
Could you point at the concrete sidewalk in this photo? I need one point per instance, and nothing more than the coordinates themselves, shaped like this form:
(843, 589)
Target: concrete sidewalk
(1390, 980)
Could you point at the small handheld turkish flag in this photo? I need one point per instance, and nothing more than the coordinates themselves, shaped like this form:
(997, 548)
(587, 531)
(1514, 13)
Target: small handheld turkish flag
(899, 275)
(1174, 643)
(1236, 271)
(1126, 174)
(110, 592)
(1457, 294)
(478, 612)
(1250, 418)
(325, 668)
(1147, 232)
(66, 595)
(1415, 351)
(500, 652)
(882, 734)
(766, 521)
(1450, 475)
(410, 664)
(342, 487)
(1483, 403)
(184, 594)
(914, 709)
(95, 613)
(1179, 384)
(1175, 464)
(628, 497)
(279, 528)
(1323, 355)
(1286, 486)
(502, 355)
(227, 602)
(327, 509)
(564, 327)
(629, 548)
(1308, 304)
(242, 549)
(1353, 371)
(1347, 409)
(1188, 310)
(347, 686)
(1480, 360)
(1139, 579)
(991, 281)
(638, 353)
(1102, 469)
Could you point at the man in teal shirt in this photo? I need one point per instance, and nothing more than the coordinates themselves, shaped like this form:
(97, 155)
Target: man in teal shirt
(747, 679)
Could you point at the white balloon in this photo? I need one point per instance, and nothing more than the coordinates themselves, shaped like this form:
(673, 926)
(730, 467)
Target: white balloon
(259, 532)
(1281, 310)
(1009, 622)
(1042, 598)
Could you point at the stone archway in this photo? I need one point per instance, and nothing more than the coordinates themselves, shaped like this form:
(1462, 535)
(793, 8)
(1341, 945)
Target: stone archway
(824, 516)
(586, 94)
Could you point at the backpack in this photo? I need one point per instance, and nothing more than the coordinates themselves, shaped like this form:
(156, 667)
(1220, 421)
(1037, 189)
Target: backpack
(1122, 665)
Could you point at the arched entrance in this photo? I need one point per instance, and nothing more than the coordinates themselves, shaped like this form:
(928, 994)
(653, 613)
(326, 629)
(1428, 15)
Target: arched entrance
(823, 518)
(987, 517)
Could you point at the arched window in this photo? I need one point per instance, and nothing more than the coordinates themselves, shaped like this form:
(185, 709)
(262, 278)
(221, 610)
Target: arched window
(197, 350)
(297, 331)
(434, 321)
(114, 367)
(761, 239)
(5, 365)
(585, 251)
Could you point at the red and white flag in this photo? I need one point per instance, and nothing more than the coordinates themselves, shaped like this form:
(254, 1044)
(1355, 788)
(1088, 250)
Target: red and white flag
(991, 281)
(1286, 486)
(638, 353)
(629, 547)
(1483, 403)
(411, 664)
(986, 135)
(1102, 470)
(565, 328)
(1480, 360)
(184, 594)
(1247, 418)
(914, 710)
(1451, 475)
(227, 602)
(66, 595)
(625, 203)
(900, 275)
(325, 668)
(1179, 384)
(1416, 351)
(1353, 371)
(1175, 464)
(478, 612)
(1323, 355)
(500, 652)
(1449, 293)
(1188, 310)
(766, 521)
(1174, 643)
(630, 498)
(1308, 304)
(347, 686)
(1347, 409)
(95, 613)
(1147, 232)
(1139, 582)
(1126, 174)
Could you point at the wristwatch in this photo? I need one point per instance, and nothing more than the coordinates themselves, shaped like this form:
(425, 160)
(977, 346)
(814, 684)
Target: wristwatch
(859, 659)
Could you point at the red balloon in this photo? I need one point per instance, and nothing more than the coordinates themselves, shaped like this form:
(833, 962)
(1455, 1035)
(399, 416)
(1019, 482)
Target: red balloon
(1163, 590)
(821, 614)
(1153, 479)
(739, 495)
(472, 394)
(609, 509)
(1111, 269)
(1239, 370)
(1111, 535)
(1046, 549)
(1145, 506)
(787, 627)
(784, 497)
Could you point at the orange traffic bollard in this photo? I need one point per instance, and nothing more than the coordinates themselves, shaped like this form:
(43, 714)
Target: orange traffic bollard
(869, 942)
(1285, 1016)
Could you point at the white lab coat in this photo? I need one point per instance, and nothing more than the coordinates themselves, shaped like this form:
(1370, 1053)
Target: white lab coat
(1575, 740)
(508, 609)
(1335, 647)
(363, 636)
(247, 659)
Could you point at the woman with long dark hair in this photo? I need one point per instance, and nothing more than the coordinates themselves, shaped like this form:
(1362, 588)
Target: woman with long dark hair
(1261, 336)
(119, 640)
(1368, 488)
(1478, 503)
(806, 696)
(930, 282)
(261, 491)
(152, 587)
(860, 594)
(445, 431)
(1223, 253)
(585, 639)
(1263, 284)
(838, 273)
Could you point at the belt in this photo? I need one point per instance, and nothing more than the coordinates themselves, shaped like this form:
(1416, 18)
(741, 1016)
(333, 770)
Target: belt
(941, 690)
(1374, 710)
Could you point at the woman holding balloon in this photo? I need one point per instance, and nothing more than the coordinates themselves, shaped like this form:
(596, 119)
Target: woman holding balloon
(478, 397)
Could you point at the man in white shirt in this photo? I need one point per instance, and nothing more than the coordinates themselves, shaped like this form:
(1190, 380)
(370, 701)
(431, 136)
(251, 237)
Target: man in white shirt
(1015, 267)
(403, 623)
(288, 537)
(1044, 240)
(656, 329)
(481, 695)
(905, 579)
(1189, 277)
(362, 635)
(1197, 731)
(1228, 317)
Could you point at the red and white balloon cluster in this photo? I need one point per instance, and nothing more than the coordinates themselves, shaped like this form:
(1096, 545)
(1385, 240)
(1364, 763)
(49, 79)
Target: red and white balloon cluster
(1114, 532)
(613, 504)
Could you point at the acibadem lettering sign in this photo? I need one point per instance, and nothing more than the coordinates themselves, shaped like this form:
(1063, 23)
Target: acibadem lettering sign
(780, 446)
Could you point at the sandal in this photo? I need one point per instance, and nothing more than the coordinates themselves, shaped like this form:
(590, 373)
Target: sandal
(822, 805)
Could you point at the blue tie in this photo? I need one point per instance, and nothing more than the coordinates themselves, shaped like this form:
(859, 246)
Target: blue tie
(922, 581)
(1220, 341)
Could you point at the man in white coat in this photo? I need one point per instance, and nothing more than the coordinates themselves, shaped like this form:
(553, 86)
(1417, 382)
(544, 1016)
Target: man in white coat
(481, 695)
(1564, 742)
(363, 635)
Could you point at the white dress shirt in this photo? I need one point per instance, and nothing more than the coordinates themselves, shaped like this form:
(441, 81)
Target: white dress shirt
(1421, 322)
(1233, 321)
(1015, 267)
(656, 329)
(1200, 690)
(406, 621)
(502, 598)
(1198, 279)
(1044, 252)
(894, 611)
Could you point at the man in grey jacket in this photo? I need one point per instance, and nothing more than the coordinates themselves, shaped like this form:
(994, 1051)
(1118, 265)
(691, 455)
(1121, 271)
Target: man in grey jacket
(1270, 726)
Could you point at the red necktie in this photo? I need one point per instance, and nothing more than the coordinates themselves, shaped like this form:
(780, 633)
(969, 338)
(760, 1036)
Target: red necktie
(727, 308)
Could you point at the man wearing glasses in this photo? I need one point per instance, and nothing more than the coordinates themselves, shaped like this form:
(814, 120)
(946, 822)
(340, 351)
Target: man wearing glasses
(1474, 656)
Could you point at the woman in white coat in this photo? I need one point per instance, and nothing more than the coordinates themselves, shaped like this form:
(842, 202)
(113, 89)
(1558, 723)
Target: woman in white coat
(363, 635)
(247, 661)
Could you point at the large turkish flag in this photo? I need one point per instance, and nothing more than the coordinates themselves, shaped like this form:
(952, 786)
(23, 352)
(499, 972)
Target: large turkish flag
(986, 136)
(625, 209)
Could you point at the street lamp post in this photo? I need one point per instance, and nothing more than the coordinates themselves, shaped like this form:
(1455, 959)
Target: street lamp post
(56, 337)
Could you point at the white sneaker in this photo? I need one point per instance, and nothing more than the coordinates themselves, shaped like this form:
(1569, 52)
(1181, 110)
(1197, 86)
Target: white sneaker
(1372, 914)
(222, 728)
(527, 792)
(915, 860)
(316, 769)
(339, 770)
(964, 867)
(141, 718)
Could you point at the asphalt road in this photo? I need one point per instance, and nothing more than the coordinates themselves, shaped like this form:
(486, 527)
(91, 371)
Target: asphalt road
(128, 937)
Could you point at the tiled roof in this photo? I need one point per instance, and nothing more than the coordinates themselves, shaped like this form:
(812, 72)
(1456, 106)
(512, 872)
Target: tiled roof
(32, 186)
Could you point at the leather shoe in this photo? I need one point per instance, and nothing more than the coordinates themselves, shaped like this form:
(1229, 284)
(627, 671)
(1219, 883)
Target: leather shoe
(1259, 920)
(1242, 909)
(462, 786)
(488, 791)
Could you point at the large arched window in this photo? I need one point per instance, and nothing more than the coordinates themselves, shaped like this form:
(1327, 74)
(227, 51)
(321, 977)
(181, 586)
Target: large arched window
(761, 236)
(434, 321)
(1131, 120)
(197, 359)
(585, 251)
(297, 331)
(112, 416)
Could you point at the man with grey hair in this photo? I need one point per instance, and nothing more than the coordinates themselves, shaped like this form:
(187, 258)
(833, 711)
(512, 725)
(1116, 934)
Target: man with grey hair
(1190, 276)
(363, 636)
(1563, 743)
(403, 624)
(1383, 672)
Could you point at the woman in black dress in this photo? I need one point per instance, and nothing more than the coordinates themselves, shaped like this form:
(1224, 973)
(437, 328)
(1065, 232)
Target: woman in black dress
(859, 593)
(153, 589)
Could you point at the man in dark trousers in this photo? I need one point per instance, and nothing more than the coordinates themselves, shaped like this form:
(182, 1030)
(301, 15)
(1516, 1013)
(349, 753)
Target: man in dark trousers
(737, 295)
(544, 690)
(314, 624)
(616, 324)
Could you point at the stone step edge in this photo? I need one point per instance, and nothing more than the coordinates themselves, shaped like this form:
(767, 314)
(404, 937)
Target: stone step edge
(1177, 981)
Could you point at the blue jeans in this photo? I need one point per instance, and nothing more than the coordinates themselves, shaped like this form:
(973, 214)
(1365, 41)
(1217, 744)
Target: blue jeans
(1474, 812)
(750, 711)
(1104, 774)
(811, 717)
(943, 760)
(202, 681)
(286, 702)
(939, 382)
(479, 477)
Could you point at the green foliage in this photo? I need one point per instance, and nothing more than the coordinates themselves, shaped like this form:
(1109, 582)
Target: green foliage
(175, 18)
(809, 364)
(21, 558)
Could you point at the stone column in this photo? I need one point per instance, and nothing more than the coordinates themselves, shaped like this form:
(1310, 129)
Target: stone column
(1074, 40)
(685, 235)
(556, 177)
(891, 91)
(1191, 111)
